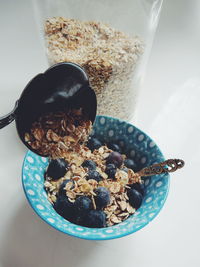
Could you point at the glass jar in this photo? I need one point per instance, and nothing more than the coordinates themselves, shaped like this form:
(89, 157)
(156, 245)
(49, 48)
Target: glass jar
(110, 39)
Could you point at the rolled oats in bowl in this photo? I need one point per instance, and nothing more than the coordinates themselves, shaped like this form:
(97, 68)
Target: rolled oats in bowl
(109, 57)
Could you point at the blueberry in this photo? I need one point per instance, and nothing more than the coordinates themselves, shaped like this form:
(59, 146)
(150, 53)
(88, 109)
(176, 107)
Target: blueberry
(135, 198)
(65, 208)
(95, 219)
(83, 204)
(111, 170)
(57, 168)
(114, 147)
(138, 187)
(94, 175)
(90, 164)
(62, 191)
(80, 219)
(94, 143)
(102, 198)
(115, 158)
(129, 163)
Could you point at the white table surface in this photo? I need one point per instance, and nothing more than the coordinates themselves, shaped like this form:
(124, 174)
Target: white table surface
(168, 111)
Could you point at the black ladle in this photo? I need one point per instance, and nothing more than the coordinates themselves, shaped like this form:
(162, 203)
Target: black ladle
(62, 86)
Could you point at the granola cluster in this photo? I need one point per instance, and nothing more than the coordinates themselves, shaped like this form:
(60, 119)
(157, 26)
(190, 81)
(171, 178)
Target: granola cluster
(119, 207)
(54, 134)
(109, 57)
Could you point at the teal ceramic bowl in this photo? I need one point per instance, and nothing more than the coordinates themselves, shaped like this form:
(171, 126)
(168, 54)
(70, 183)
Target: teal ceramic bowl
(138, 146)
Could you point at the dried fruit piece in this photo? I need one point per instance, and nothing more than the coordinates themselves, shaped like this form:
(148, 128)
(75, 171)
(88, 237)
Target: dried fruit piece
(115, 158)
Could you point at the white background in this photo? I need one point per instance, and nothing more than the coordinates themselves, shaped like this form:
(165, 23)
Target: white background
(169, 111)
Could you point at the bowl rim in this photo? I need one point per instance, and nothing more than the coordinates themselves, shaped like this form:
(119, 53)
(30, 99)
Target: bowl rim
(98, 238)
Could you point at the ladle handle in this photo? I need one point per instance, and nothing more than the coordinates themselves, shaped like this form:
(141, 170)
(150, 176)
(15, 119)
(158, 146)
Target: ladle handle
(5, 120)
(170, 165)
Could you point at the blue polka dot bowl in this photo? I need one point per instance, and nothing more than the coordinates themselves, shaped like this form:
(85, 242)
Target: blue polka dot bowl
(136, 145)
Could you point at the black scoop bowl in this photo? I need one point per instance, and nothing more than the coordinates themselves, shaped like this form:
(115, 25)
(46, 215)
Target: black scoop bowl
(63, 86)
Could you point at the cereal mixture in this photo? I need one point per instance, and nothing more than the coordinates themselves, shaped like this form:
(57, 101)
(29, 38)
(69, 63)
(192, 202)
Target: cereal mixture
(107, 55)
(54, 133)
(119, 208)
